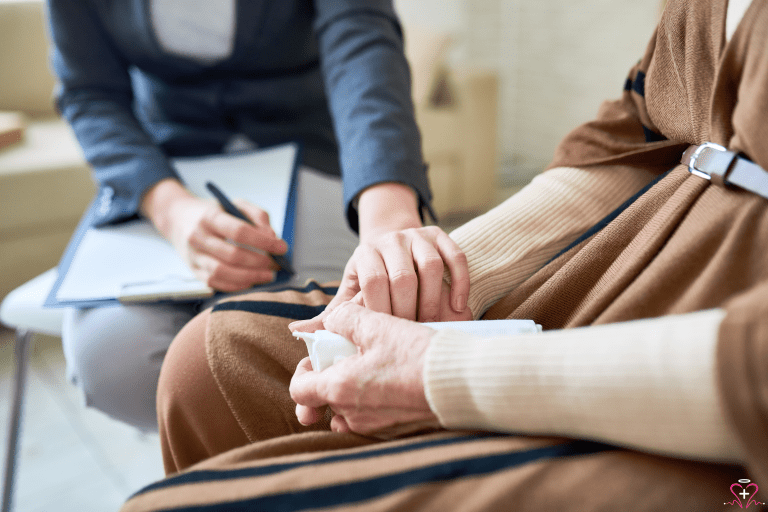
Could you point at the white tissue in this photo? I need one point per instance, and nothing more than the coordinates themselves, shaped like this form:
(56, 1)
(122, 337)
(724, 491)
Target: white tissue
(326, 348)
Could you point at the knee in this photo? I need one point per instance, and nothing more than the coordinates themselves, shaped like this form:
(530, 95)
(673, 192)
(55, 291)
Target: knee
(185, 374)
(194, 420)
(114, 355)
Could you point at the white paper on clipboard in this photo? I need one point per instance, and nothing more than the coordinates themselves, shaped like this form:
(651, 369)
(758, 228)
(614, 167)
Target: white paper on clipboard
(132, 262)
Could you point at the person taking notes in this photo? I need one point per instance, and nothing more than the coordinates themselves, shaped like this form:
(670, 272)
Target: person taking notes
(146, 81)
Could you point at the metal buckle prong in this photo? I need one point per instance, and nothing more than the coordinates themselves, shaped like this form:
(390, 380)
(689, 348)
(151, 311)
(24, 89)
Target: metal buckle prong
(692, 162)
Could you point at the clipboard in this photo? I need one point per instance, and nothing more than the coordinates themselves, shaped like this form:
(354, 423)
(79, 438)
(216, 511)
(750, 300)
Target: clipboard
(131, 262)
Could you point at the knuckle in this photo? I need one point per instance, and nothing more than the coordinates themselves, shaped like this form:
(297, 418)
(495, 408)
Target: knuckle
(210, 214)
(394, 237)
(229, 253)
(215, 269)
(430, 262)
(240, 231)
(373, 279)
(358, 252)
(403, 277)
(194, 238)
(458, 257)
(430, 306)
(236, 257)
(339, 390)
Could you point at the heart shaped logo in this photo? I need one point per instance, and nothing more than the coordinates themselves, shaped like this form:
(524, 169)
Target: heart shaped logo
(744, 493)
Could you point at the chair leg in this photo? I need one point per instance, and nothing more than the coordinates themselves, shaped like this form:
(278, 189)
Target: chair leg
(21, 351)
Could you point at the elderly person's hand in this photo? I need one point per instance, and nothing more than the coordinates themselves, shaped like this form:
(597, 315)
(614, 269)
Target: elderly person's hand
(380, 390)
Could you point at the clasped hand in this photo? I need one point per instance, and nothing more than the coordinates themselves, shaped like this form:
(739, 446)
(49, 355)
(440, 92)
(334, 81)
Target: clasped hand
(380, 390)
(391, 280)
(401, 273)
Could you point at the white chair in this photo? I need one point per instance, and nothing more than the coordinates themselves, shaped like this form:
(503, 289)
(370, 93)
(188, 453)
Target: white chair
(22, 310)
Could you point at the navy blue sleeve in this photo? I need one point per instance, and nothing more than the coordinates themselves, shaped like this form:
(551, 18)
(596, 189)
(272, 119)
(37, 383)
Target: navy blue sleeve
(95, 97)
(367, 81)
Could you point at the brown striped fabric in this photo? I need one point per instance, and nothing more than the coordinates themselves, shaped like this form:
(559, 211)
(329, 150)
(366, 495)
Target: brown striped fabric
(682, 245)
(461, 471)
(224, 381)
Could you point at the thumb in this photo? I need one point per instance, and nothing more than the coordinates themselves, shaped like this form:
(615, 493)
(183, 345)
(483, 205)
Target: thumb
(357, 324)
(309, 325)
(316, 323)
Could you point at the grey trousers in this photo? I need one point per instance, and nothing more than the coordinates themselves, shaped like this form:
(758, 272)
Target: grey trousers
(114, 353)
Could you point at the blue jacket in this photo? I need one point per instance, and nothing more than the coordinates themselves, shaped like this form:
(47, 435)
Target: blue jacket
(328, 73)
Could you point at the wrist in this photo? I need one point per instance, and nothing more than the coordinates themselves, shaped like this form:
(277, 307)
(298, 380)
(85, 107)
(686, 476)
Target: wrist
(386, 207)
(159, 201)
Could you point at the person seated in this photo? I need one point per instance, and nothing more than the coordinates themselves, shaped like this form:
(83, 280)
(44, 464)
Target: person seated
(144, 82)
(642, 253)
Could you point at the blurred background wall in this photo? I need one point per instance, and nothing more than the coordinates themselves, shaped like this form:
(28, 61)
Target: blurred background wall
(556, 62)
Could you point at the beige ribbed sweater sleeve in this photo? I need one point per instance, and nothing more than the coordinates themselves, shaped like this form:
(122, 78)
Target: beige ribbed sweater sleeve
(645, 384)
(512, 241)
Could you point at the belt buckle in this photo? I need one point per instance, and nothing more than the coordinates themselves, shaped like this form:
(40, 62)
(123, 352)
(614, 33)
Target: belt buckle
(692, 162)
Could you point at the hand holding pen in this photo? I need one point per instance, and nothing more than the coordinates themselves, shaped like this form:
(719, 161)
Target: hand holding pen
(233, 210)
(216, 246)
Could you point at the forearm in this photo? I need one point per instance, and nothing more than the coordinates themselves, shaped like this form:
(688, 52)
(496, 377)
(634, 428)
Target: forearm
(646, 384)
(511, 242)
(367, 78)
(159, 201)
(387, 207)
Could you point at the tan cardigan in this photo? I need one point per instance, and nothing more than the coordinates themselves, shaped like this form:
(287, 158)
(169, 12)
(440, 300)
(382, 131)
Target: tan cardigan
(688, 381)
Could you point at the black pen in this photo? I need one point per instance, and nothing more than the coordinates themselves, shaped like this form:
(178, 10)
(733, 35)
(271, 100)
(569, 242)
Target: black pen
(233, 210)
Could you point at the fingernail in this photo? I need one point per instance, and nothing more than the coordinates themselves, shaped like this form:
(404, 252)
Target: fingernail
(460, 303)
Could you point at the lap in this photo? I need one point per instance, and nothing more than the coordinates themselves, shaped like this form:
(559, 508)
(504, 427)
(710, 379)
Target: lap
(252, 355)
(439, 471)
(224, 382)
(114, 354)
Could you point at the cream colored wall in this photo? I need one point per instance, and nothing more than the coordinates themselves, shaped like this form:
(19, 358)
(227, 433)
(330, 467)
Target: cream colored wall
(556, 62)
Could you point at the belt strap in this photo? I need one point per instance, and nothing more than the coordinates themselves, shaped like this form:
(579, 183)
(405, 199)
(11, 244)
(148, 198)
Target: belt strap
(713, 162)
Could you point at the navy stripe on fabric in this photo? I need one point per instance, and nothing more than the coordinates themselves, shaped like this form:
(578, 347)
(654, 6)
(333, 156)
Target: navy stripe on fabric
(281, 309)
(360, 491)
(609, 218)
(628, 84)
(652, 136)
(638, 84)
(310, 287)
(208, 476)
